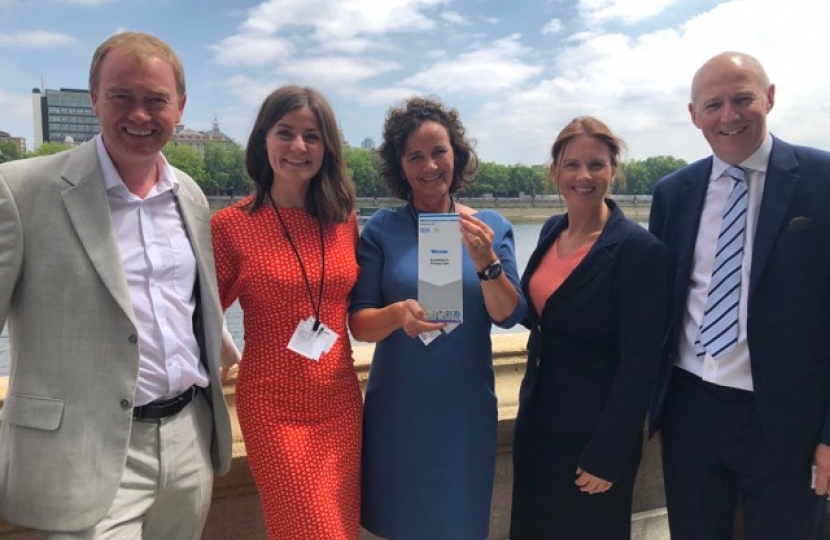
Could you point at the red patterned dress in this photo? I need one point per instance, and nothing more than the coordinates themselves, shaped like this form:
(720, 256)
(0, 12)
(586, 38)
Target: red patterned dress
(300, 419)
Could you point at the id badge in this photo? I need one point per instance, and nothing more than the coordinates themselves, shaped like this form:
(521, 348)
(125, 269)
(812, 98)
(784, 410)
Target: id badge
(432, 335)
(312, 342)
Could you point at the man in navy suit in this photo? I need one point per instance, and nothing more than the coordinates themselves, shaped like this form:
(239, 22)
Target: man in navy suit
(750, 424)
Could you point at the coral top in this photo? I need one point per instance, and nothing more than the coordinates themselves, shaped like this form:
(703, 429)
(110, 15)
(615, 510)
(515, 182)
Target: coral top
(553, 270)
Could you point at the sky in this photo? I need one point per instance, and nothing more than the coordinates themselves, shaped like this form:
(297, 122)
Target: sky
(516, 70)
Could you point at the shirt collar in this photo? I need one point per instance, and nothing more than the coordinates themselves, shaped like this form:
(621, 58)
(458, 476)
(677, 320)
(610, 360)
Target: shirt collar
(755, 162)
(112, 180)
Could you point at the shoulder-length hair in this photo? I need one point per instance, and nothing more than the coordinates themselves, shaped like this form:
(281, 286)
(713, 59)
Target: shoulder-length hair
(331, 194)
(404, 120)
(591, 127)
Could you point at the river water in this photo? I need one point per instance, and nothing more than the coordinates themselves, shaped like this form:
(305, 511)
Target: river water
(526, 235)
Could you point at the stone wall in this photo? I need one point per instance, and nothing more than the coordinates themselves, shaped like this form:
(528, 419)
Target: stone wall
(235, 512)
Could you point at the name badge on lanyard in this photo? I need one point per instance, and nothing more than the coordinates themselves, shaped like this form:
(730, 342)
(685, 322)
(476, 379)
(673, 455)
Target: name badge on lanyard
(312, 339)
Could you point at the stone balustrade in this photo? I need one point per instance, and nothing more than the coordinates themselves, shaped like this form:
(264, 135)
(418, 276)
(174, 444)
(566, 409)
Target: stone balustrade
(235, 512)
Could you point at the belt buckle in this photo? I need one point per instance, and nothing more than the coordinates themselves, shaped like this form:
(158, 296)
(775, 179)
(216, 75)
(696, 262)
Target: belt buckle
(144, 414)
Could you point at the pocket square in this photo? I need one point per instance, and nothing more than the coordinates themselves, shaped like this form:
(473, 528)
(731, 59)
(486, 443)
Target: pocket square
(799, 223)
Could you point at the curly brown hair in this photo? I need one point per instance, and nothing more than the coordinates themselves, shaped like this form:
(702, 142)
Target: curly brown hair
(331, 194)
(402, 121)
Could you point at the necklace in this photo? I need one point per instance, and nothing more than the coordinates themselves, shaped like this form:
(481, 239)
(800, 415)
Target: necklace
(414, 213)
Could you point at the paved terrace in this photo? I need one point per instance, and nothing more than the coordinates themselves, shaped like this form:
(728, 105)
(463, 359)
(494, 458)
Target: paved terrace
(235, 513)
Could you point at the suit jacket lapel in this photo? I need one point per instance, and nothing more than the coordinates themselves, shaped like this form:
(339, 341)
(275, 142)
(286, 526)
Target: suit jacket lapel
(779, 187)
(196, 216)
(542, 247)
(692, 198)
(88, 208)
(597, 257)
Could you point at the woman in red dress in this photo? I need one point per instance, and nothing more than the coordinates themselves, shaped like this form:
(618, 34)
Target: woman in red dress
(287, 254)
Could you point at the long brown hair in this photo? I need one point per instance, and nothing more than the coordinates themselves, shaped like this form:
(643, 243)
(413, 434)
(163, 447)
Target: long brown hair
(331, 194)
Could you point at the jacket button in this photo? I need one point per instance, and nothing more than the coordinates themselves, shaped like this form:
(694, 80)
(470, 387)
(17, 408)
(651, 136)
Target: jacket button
(133, 338)
(538, 361)
(126, 404)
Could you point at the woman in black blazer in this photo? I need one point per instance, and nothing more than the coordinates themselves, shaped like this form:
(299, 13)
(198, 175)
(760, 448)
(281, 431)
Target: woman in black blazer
(597, 286)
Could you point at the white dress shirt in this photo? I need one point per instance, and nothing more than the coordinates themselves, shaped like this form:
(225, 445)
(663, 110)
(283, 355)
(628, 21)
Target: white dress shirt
(160, 266)
(734, 368)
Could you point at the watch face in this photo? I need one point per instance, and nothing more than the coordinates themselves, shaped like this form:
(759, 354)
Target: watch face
(493, 271)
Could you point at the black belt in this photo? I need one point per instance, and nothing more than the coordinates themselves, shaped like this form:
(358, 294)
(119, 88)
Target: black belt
(162, 408)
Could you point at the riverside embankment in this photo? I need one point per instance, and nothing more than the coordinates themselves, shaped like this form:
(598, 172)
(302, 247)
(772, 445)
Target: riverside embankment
(518, 210)
(526, 216)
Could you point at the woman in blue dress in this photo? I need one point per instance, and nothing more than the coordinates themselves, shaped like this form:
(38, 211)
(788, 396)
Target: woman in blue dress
(430, 417)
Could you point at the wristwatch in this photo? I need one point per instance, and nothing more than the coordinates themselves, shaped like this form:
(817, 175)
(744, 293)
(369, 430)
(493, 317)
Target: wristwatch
(491, 272)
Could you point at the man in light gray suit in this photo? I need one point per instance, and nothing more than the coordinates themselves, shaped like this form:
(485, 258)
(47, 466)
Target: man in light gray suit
(114, 420)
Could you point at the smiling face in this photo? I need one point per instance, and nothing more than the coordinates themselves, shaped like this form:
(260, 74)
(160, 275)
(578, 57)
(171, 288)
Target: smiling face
(583, 172)
(295, 149)
(428, 164)
(137, 105)
(730, 102)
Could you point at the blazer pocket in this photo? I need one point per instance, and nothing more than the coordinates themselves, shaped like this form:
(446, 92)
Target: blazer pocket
(799, 223)
(33, 412)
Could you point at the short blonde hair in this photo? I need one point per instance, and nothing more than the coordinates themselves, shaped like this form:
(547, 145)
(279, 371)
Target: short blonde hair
(139, 45)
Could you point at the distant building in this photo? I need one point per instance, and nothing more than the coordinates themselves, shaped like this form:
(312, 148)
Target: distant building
(368, 144)
(199, 139)
(343, 142)
(63, 113)
(19, 141)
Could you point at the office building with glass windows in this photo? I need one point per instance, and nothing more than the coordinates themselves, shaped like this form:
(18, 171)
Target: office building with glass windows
(62, 115)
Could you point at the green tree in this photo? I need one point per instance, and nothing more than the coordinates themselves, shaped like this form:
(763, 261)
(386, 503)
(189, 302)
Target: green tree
(225, 168)
(238, 180)
(364, 167)
(492, 178)
(528, 180)
(660, 166)
(48, 148)
(641, 176)
(186, 158)
(636, 178)
(9, 151)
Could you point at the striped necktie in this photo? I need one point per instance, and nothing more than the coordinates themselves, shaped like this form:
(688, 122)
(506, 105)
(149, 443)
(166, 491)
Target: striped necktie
(719, 327)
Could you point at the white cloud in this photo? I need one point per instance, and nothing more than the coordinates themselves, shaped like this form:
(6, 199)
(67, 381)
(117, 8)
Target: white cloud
(343, 18)
(353, 45)
(514, 98)
(35, 39)
(492, 67)
(253, 50)
(275, 30)
(454, 17)
(248, 90)
(383, 97)
(639, 85)
(626, 11)
(553, 27)
(333, 70)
